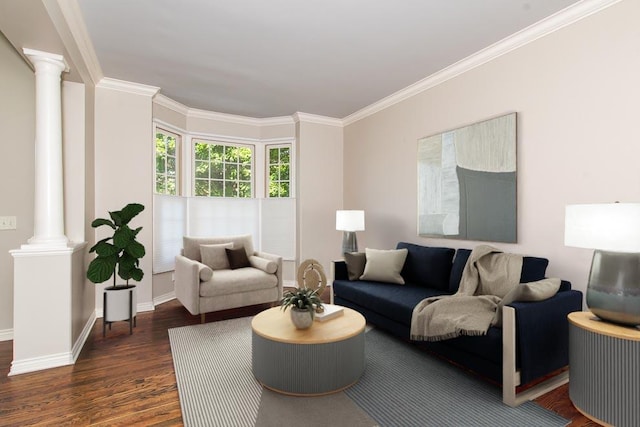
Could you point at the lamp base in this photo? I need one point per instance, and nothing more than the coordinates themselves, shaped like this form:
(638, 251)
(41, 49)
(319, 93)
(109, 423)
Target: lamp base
(349, 242)
(613, 292)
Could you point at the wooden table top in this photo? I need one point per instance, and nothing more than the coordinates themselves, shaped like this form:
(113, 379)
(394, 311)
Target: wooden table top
(276, 325)
(589, 321)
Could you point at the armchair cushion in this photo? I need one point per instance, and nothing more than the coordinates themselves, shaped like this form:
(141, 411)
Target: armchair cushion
(263, 264)
(237, 258)
(226, 282)
(215, 256)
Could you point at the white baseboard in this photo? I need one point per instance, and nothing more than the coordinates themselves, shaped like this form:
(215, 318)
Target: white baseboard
(40, 363)
(6, 334)
(86, 331)
(164, 298)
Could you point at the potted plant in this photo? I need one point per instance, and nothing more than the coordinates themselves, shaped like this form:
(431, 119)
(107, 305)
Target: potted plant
(118, 254)
(303, 303)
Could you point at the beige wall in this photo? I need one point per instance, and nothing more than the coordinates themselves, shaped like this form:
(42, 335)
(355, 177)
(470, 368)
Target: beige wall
(124, 168)
(576, 93)
(319, 191)
(17, 121)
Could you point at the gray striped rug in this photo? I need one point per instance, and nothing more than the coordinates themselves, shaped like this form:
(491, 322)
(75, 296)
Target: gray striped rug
(402, 386)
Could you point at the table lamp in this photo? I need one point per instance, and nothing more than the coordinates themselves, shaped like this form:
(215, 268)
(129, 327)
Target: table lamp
(349, 222)
(613, 230)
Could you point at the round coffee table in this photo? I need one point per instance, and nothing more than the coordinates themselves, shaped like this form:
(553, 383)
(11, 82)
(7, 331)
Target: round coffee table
(326, 358)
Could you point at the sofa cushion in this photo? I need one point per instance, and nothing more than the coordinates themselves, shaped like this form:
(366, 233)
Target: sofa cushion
(215, 256)
(533, 269)
(355, 264)
(384, 265)
(427, 266)
(191, 245)
(225, 282)
(386, 299)
(459, 262)
(237, 258)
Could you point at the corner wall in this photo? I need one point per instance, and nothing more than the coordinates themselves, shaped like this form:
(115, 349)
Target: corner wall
(17, 121)
(124, 171)
(576, 93)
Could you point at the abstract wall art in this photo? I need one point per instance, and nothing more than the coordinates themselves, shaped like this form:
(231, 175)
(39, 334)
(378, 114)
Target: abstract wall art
(467, 182)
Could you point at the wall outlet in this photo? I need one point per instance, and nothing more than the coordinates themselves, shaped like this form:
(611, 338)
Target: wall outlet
(7, 222)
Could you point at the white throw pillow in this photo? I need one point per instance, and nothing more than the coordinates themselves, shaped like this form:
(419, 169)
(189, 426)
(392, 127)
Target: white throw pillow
(384, 265)
(215, 256)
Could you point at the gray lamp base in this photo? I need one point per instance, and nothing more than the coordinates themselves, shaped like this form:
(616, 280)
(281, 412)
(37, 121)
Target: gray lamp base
(613, 292)
(349, 242)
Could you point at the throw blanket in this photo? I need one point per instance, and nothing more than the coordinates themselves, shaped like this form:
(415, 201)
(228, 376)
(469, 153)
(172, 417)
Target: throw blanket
(487, 277)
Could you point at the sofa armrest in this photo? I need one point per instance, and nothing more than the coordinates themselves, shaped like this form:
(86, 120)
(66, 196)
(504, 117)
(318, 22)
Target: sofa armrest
(542, 331)
(278, 260)
(340, 270)
(187, 283)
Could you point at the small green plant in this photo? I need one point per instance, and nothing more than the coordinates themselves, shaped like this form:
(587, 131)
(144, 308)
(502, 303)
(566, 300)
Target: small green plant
(302, 299)
(123, 253)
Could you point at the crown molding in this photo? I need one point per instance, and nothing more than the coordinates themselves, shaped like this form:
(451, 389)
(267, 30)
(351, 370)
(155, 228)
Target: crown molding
(69, 22)
(169, 103)
(552, 23)
(129, 87)
(322, 120)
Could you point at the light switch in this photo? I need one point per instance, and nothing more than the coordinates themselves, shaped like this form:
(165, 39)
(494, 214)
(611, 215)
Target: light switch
(7, 222)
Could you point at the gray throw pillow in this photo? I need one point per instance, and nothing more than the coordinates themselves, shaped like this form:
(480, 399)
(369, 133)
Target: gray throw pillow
(215, 256)
(384, 265)
(355, 264)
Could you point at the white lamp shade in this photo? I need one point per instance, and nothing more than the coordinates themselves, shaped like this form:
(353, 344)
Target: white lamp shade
(350, 220)
(609, 227)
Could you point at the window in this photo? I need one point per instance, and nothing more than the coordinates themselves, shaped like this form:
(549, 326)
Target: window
(279, 167)
(222, 170)
(166, 162)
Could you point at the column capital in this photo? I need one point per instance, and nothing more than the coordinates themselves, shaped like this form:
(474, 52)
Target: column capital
(38, 56)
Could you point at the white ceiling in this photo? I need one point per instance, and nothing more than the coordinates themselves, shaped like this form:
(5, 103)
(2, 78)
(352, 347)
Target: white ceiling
(273, 58)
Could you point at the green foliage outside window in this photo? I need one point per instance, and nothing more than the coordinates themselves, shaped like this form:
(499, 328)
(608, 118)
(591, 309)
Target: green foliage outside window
(166, 163)
(279, 171)
(222, 170)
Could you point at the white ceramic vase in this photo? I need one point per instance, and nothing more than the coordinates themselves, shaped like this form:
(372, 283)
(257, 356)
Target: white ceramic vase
(302, 319)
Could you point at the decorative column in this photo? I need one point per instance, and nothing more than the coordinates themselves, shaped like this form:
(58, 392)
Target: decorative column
(48, 271)
(49, 202)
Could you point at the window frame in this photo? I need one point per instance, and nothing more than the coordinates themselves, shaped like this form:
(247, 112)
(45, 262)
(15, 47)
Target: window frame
(194, 178)
(177, 160)
(268, 164)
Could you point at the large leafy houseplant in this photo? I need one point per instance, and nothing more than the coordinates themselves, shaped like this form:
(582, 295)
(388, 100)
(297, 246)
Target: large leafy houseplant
(121, 252)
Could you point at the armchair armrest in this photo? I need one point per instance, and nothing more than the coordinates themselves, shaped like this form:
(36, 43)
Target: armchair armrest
(542, 331)
(278, 260)
(187, 283)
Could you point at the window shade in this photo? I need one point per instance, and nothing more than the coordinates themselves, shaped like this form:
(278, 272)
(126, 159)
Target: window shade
(169, 225)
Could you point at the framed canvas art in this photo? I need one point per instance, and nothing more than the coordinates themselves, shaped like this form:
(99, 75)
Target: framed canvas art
(467, 182)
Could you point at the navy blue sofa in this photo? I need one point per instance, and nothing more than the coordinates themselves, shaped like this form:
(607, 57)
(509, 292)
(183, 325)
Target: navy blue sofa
(541, 328)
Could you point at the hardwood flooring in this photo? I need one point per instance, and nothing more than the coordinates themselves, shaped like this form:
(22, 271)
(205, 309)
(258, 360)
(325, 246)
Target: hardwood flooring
(125, 380)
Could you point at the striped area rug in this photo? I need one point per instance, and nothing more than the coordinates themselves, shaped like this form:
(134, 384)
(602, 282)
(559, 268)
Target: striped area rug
(402, 386)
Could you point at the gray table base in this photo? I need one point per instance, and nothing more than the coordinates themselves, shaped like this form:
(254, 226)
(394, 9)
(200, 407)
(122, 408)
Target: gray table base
(308, 369)
(605, 377)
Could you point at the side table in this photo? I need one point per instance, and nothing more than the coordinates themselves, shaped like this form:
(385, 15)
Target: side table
(604, 364)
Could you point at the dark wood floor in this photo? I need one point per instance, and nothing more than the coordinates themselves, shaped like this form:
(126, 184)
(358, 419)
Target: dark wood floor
(125, 380)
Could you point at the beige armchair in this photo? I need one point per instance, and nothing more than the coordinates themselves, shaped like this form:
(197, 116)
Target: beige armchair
(203, 288)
